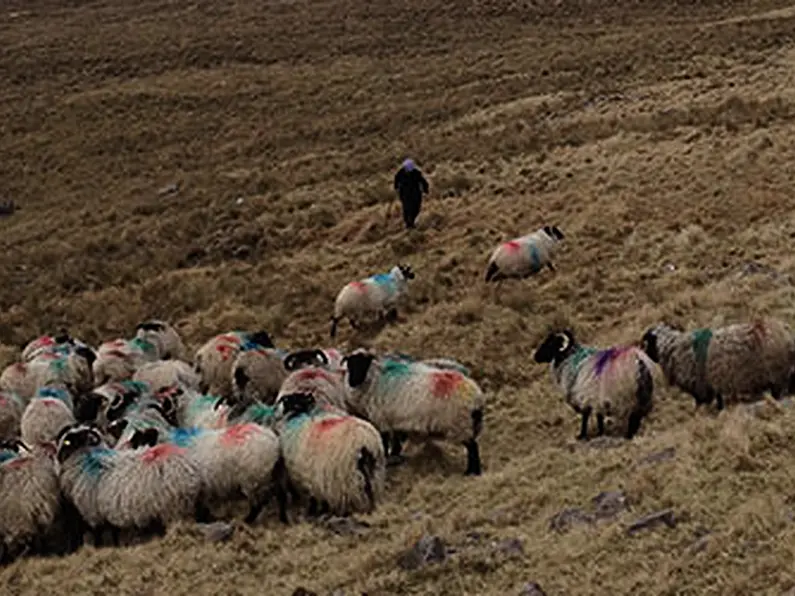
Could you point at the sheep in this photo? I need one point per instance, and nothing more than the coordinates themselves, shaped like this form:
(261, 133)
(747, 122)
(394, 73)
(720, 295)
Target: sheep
(72, 369)
(447, 363)
(46, 414)
(165, 373)
(118, 360)
(239, 459)
(121, 432)
(413, 398)
(61, 341)
(325, 383)
(213, 361)
(257, 374)
(714, 364)
(33, 514)
(336, 458)
(375, 295)
(524, 256)
(109, 401)
(616, 381)
(11, 408)
(142, 489)
(165, 337)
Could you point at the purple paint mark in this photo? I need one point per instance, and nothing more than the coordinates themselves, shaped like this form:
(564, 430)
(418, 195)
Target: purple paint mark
(606, 356)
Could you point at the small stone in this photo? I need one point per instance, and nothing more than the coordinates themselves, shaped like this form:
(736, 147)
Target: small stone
(428, 549)
(511, 546)
(609, 504)
(659, 456)
(532, 589)
(666, 516)
(571, 516)
(169, 189)
(217, 531)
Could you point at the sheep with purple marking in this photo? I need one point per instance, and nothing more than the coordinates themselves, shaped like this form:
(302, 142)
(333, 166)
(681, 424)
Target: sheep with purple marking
(617, 382)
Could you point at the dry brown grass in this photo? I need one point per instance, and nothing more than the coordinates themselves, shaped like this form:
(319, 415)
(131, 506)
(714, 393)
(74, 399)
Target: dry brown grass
(652, 132)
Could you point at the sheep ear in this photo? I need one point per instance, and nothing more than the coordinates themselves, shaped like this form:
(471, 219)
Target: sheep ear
(558, 234)
(565, 341)
(262, 338)
(548, 231)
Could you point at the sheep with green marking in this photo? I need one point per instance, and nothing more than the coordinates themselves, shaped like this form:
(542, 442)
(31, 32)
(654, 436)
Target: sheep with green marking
(165, 338)
(415, 399)
(616, 382)
(726, 362)
(165, 373)
(118, 360)
(50, 410)
(215, 359)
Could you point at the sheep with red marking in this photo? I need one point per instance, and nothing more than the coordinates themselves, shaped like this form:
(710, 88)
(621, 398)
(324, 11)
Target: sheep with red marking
(257, 375)
(377, 295)
(50, 410)
(311, 372)
(524, 256)
(71, 368)
(336, 459)
(61, 342)
(215, 359)
(617, 382)
(238, 460)
(415, 399)
(118, 360)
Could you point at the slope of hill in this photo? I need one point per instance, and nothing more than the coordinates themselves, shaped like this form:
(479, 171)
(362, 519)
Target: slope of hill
(656, 134)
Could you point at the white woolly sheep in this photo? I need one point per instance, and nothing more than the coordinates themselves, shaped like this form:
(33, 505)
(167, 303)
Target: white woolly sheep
(46, 415)
(214, 360)
(72, 368)
(743, 358)
(118, 360)
(142, 489)
(61, 342)
(166, 373)
(311, 372)
(377, 295)
(165, 338)
(11, 408)
(257, 374)
(33, 516)
(412, 398)
(239, 459)
(336, 458)
(616, 381)
(524, 256)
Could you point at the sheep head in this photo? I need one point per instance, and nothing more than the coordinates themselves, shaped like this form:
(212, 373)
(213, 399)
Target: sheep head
(74, 437)
(358, 365)
(300, 358)
(295, 404)
(555, 347)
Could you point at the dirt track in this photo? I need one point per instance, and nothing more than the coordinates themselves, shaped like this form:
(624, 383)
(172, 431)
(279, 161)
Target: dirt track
(657, 135)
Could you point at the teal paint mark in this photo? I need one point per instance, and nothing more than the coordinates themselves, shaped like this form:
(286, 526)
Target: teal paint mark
(96, 461)
(7, 455)
(259, 413)
(701, 339)
(184, 437)
(535, 257)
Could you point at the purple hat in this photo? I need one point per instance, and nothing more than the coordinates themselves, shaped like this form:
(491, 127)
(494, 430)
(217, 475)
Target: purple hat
(408, 165)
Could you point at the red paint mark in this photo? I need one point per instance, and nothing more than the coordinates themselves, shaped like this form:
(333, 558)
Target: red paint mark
(229, 338)
(512, 246)
(759, 330)
(238, 434)
(444, 384)
(359, 286)
(326, 424)
(313, 373)
(160, 452)
(49, 402)
(226, 351)
(17, 463)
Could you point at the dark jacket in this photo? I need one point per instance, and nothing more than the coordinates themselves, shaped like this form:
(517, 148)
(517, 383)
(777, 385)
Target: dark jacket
(410, 185)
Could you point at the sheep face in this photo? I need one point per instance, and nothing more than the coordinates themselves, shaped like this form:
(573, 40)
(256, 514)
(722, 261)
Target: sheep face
(649, 344)
(73, 438)
(116, 428)
(358, 365)
(295, 404)
(150, 326)
(144, 438)
(301, 358)
(262, 338)
(120, 404)
(554, 232)
(405, 271)
(87, 406)
(555, 347)
(88, 354)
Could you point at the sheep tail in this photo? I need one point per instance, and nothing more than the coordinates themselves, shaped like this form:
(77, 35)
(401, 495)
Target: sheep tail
(334, 321)
(491, 272)
(366, 466)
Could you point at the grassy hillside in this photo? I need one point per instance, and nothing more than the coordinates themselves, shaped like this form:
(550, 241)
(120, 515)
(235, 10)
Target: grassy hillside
(656, 134)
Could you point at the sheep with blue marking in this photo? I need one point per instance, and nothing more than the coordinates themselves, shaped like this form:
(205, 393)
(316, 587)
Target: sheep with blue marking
(416, 400)
(215, 359)
(336, 459)
(616, 382)
(727, 362)
(377, 295)
(524, 256)
(62, 342)
(164, 337)
(67, 367)
(50, 410)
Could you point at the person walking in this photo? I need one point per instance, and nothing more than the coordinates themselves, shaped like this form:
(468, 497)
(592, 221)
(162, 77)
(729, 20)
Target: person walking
(410, 185)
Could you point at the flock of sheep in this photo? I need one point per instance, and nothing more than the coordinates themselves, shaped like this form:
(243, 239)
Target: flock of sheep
(134, 435)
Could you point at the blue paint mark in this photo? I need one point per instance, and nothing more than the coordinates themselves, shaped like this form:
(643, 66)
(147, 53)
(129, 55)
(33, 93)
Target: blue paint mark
(184, 437)
(96, 461)
(535, 257)
(7, 455)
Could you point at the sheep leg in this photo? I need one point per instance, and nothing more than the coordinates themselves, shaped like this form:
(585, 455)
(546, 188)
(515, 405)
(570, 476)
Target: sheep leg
(282, 485)
(600, 424)
(324, 509)
(391, 315)
(634, 424)
(311, 511)
(551, 267)
(473, 458)
(202, 513)
(583, 436)
(776, 391)
(719, 399)
(254, 510)
(385, 441)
